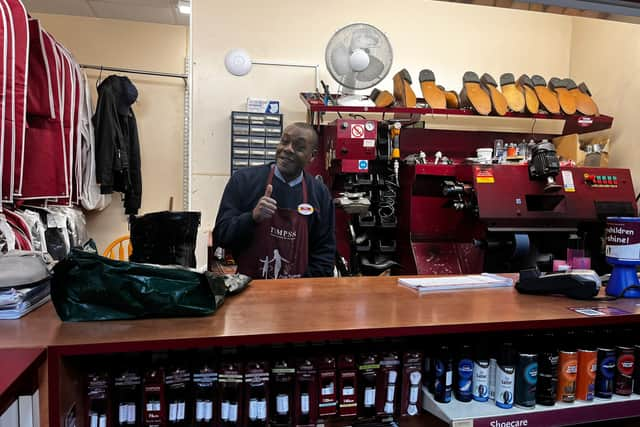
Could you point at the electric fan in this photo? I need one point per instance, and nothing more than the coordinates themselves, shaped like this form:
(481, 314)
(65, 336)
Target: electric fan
(358, 56)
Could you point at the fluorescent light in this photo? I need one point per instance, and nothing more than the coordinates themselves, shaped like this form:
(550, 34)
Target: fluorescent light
(184, 7)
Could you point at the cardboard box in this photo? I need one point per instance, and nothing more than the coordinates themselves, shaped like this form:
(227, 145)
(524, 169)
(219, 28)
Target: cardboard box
(571, 147)
(257, 105)
(568, 148)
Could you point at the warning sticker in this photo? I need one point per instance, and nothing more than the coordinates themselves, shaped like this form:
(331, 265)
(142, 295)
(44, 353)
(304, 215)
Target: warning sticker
(484, 176)
(585, 121)
(567, 178)
(357, 131)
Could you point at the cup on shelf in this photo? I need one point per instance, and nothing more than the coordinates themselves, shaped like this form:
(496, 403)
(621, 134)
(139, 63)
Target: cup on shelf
(484, 155)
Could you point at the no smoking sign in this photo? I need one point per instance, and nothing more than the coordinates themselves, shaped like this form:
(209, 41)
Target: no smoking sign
(357, 131)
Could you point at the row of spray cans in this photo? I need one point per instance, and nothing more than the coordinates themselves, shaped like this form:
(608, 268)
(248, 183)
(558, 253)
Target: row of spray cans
(524, 376)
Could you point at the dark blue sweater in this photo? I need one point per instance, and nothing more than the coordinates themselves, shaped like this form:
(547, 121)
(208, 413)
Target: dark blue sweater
(234, 227)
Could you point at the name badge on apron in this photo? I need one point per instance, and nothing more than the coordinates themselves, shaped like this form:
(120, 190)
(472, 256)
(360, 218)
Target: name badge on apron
(305, 209)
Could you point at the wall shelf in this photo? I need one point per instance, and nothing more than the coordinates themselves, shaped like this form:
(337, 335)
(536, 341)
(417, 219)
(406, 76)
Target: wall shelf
(468, 120)
(486, 414)
(19, 380)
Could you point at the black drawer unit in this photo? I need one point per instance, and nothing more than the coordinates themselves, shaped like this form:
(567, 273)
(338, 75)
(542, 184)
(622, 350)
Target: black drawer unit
(254, 137)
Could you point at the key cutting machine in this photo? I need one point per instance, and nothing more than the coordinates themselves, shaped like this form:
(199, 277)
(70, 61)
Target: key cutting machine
(469, 218)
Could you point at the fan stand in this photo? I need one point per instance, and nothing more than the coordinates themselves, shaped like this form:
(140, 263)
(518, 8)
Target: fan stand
(350, 99)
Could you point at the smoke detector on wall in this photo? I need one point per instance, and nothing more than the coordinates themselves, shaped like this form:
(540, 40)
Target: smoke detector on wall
(238, 62)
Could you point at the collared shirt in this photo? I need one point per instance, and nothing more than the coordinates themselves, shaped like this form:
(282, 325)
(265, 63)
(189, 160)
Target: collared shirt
(291, 183)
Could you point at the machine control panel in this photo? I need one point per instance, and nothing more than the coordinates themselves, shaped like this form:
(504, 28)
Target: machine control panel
(355, 139)
(601, 181)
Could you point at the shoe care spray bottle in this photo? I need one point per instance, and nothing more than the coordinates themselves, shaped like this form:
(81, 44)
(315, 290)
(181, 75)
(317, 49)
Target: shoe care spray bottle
(442, 375)
(464, 374)
(505, 376)
(480, 381)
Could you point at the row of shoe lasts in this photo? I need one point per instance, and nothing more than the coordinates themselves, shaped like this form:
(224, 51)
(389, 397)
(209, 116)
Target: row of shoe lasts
(527, 94)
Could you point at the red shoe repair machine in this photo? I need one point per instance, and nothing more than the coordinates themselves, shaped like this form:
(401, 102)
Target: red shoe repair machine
(410, 199)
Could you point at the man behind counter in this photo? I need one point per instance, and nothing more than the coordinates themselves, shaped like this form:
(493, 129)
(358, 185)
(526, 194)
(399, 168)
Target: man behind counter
(277, 220)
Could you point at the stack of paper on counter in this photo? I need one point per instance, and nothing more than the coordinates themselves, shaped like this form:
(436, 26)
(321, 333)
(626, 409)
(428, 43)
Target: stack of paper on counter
(454, 283)
(15, 303)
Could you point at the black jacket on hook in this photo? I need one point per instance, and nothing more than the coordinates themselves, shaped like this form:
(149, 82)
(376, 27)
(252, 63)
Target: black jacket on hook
(117, 145)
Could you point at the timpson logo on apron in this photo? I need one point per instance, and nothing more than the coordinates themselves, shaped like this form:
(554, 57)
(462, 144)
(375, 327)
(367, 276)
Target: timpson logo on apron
(279, 233)
(276, 267)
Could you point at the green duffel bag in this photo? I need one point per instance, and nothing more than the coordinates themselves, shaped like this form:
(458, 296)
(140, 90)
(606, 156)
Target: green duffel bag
(86, 286)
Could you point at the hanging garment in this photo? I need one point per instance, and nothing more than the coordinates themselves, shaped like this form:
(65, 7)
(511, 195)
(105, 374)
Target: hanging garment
(77, 140)
(69, 117)
(76, 226)
(90, 190)
(15, 48)
(117, 145)
(20, 72)
(3, 83)
(59, 84)
(20, 230)
(40, 88)
(9, 113)
(7, 236)
(44, 174)
(36, 228)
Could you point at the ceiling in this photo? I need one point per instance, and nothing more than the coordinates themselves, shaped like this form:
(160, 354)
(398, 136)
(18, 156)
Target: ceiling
(617, 10)
(158, 11)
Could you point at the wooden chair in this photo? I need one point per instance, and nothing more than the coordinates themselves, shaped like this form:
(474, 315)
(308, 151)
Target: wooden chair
(116, 249)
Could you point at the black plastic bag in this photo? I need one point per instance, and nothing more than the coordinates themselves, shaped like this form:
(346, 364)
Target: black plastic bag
(167, 238)
(86, 287)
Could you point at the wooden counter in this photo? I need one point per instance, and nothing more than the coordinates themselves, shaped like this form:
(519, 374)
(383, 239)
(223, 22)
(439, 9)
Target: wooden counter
(314, 310)
(296, 311)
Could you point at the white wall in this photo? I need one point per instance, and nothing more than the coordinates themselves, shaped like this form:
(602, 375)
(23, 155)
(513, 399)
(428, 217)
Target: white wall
(449, 38)
(159, 109)
(606, 55)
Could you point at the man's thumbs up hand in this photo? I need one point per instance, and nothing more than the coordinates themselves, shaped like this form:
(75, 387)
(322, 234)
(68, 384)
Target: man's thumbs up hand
(266, 206)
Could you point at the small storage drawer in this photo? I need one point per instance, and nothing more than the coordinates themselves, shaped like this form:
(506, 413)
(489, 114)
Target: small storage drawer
(272, 142)
(239, 129)
(256, 142)
(241, 151)
(273, 131)
(257, 130)
(257, 153)
(240, 140)
(239, 117)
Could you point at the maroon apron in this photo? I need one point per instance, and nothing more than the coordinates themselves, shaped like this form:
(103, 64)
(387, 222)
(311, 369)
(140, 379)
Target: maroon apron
(279, 248)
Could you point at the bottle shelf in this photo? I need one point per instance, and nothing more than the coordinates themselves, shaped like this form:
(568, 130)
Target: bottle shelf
(487, 414)
(467, 120)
